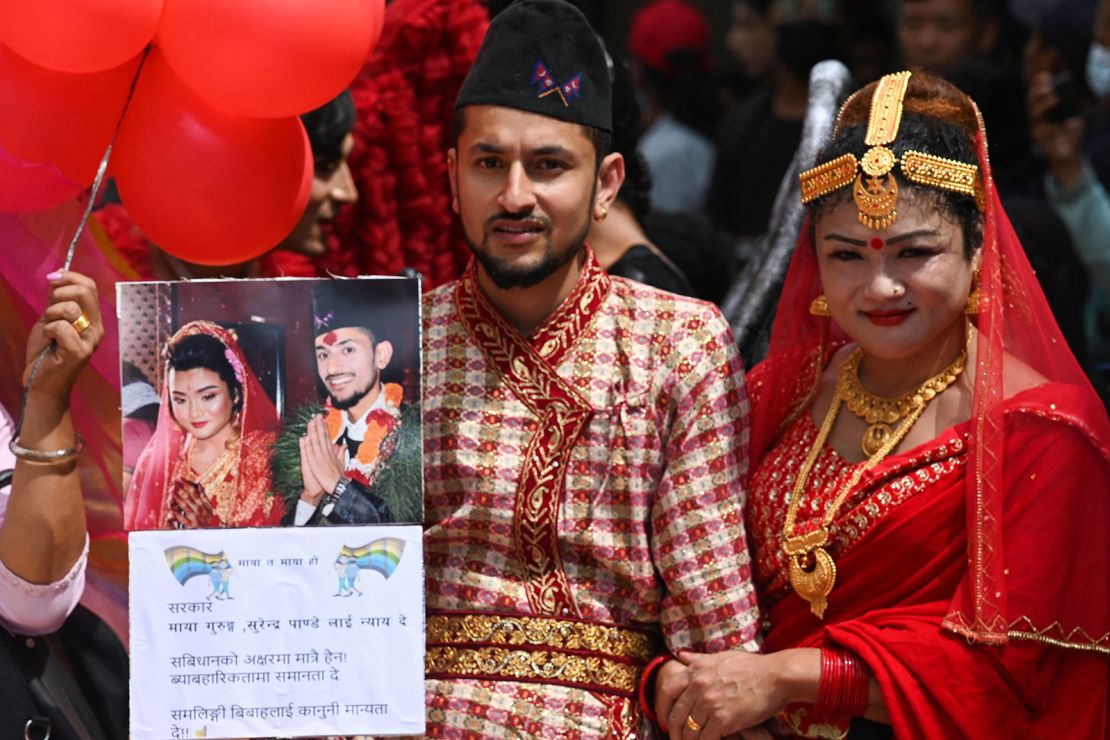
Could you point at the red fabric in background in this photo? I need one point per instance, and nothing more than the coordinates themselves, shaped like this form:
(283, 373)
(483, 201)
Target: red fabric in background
(132, 244)
(405, 100)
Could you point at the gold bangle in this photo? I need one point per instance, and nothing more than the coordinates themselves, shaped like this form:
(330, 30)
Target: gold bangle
(39, 457)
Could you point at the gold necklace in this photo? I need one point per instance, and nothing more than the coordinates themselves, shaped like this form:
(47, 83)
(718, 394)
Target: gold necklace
(812, 569)
(212, 482)
(879, 411)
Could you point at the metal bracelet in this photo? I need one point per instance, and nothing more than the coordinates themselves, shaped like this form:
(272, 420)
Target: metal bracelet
(40, 457)
(340, 489)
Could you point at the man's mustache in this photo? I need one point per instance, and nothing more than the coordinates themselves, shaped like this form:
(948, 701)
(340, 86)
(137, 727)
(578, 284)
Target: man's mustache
(523, 216)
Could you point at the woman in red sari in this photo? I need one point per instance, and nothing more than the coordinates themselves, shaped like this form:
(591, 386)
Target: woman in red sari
(208, 463)
(929, 502)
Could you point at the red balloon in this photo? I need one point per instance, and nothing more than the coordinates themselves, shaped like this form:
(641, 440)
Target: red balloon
(78, 35)
(32, 186)
(67, 119)
(208, 186)
(269, 58)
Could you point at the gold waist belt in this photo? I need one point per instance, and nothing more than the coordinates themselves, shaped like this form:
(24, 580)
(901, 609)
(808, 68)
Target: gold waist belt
(534, 649)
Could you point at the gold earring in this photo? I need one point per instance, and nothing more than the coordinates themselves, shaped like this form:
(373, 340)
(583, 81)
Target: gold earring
(604, 213)
(820, 306)
(973, 298)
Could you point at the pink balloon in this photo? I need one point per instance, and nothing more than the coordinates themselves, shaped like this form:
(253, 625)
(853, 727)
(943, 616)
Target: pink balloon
(208, 186)
(78, 35)
(269, 58)
(32, 186)
(58, 117)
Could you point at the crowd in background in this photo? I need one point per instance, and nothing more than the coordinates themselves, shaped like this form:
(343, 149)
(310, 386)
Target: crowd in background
(708, 137)
(718, 135)
(707, 142)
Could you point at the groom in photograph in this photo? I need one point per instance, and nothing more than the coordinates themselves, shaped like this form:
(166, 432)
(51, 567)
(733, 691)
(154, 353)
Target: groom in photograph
(359, 455)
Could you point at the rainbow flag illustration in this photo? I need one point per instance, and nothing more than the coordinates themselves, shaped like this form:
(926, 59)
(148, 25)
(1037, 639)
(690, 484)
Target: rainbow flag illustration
(381, 555)
(186, 562)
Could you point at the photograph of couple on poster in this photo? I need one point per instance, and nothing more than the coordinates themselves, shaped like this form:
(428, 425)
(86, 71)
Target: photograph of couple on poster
(271, 402)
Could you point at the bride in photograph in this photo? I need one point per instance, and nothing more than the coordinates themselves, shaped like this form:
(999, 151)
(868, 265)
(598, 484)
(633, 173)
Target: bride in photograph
(208, 463)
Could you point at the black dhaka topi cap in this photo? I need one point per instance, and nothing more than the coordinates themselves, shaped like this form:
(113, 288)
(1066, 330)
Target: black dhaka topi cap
(542, 56)
(341, 304)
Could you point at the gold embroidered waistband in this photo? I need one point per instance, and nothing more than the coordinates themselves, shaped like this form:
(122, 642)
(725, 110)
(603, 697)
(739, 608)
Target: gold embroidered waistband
(536, 649)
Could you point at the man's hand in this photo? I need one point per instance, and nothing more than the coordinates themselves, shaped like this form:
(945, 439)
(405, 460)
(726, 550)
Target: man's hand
(726, 694)
(313, 491)
(325, 460)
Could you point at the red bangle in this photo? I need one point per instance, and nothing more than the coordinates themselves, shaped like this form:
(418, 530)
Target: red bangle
(647, 684)
(845, 684)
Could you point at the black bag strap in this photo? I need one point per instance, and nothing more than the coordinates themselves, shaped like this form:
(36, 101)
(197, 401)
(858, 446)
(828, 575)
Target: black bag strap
(51, 687)
(17, 706)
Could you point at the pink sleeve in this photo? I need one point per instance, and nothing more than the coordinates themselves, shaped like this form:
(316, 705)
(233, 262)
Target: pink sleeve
(29, 608)
(7, 459)
(39, 609)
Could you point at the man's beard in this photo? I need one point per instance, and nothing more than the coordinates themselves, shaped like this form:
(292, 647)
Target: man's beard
(354, 398)
(505, 276)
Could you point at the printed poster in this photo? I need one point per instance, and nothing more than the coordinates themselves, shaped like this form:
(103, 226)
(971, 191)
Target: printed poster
(276, 632)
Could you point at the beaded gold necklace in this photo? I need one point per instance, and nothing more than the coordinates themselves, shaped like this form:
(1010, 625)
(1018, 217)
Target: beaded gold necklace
(812, 568)
(879, 411)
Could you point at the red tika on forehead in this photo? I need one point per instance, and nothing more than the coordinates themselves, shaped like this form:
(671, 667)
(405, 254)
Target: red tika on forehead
(876, 243)
(329, 338)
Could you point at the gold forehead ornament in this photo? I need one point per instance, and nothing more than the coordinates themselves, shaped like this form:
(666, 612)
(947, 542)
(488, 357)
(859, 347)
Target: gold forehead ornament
(874, 189)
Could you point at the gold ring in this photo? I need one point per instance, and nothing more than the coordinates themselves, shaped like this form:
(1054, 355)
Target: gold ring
(81, 323)
(692, 723)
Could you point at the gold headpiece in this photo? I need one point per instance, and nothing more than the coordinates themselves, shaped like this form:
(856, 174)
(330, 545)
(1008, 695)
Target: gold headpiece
(874, 189)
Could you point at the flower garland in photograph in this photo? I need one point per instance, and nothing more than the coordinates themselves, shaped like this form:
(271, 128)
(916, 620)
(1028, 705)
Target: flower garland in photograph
(380, 439)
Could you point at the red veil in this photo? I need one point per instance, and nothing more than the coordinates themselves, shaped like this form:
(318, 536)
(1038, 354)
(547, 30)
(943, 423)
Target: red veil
(1048, 583)
(145, 505)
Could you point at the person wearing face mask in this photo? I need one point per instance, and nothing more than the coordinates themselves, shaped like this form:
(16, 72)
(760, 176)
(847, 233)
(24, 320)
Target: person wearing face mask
(1065, 133)
(1098, 58)
(208, 463)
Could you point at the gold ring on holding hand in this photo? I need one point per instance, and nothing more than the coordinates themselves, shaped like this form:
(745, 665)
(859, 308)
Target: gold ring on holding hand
(692, 723)
(81, 323)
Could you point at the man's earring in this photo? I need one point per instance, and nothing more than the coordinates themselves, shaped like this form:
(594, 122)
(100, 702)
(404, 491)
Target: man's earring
(820, 306)
(604, 213)
(972, 307)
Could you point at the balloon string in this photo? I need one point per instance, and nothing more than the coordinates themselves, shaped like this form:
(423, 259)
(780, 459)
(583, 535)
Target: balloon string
(97, 181)
(100, 170)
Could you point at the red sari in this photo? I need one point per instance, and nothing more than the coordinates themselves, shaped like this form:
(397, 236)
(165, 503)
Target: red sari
(973, 570)
(900, 545)
(238, 485)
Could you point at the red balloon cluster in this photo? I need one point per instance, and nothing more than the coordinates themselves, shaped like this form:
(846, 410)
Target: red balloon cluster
(210, 158)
